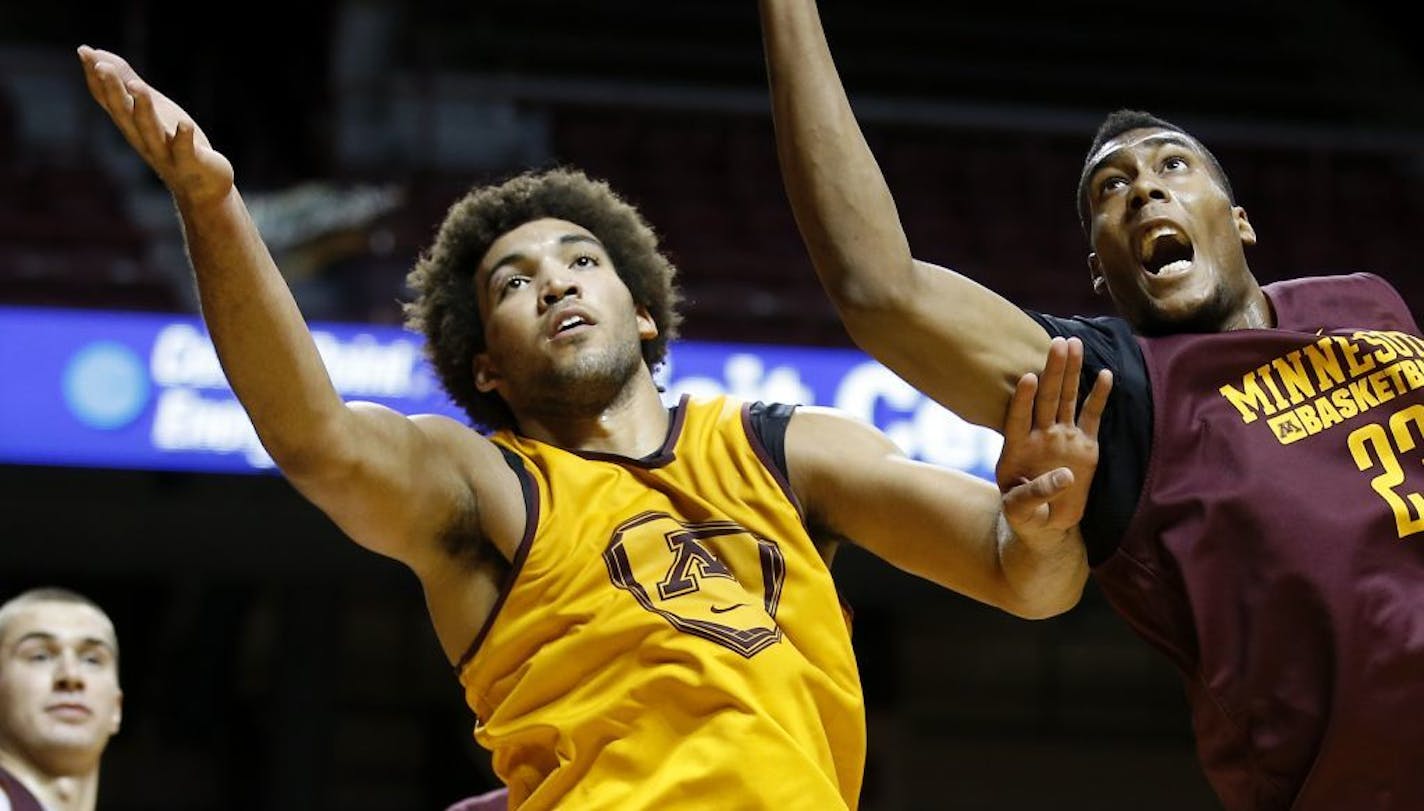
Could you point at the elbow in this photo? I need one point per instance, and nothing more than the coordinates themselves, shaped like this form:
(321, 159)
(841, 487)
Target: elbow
(1045, 606)
(1040, 610)
(868, 298)
(311, 455)
(295, 460)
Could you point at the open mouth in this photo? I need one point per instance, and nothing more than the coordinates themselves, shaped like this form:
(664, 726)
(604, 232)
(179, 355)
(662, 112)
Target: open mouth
(569, 322)
(1165, 249)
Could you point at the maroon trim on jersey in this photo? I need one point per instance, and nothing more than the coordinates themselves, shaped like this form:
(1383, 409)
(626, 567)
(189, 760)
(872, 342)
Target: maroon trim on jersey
(662, 456)
(496, 800)
(763, 455)
(20, 797)
(1316, 302)
(531, 526)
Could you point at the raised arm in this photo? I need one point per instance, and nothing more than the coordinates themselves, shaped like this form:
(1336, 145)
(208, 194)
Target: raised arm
(1019, 550)
(955, 340)
(392, 483)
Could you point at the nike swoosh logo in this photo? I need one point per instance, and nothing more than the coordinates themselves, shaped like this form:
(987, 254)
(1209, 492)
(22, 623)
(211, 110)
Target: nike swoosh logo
(719, 610)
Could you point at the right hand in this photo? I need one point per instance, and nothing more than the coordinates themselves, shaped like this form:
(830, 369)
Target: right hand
(1050, 453)
(160, 131)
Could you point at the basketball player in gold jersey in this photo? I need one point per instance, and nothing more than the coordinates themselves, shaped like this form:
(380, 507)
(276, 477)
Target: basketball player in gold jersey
(637, 599)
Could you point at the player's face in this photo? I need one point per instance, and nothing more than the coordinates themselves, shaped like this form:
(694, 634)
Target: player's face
(59, 685)
(562, 333)
(1166, 239)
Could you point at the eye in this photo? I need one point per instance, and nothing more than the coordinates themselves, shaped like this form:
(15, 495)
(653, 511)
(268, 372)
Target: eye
(511, 283)
(583, 260)
(37, 656)
(1111, 184)
(1175, 163)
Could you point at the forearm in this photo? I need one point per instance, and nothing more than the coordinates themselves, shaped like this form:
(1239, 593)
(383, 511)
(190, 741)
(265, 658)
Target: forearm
(842, 204)
(1043, 579)
(261, 338)
(955, 340)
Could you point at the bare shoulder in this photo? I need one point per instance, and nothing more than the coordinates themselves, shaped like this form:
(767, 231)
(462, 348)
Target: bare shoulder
(468, 448)
(830, 432)
(445, 429)
(826, 448)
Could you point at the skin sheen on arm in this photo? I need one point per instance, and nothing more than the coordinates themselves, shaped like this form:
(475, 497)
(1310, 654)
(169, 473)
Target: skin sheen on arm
(960, 343)
(1019, 550)
(396, 485)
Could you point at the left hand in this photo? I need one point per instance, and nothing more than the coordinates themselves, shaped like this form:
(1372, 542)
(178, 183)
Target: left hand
(1048, 459)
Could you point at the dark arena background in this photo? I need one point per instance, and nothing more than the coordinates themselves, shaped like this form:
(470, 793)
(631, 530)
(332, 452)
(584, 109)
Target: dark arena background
(270, 663)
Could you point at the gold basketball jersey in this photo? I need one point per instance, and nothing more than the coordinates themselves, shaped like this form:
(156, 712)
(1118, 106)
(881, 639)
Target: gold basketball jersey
(670, 636)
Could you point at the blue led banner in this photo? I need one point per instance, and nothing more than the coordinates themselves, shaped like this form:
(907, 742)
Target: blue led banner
(126, 390)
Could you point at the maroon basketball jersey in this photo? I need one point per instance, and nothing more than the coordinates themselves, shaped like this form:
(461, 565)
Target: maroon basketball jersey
(20, 797)
(1277, 552)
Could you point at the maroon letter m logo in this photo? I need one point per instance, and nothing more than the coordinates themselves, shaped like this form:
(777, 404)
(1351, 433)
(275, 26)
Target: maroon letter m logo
(724, 583)
(691, 561)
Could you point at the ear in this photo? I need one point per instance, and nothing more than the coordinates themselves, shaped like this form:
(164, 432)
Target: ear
(487, 377)
(1243, 226)
(647, 327)
(1095, 271)
(118, 713)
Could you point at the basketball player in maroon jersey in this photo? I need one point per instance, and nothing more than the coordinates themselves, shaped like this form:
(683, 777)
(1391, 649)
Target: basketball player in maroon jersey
(1257, 512)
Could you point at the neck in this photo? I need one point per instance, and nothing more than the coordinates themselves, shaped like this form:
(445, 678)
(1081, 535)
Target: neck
(55, 793)
(1255, 312)
(633, 425)
(71, 793)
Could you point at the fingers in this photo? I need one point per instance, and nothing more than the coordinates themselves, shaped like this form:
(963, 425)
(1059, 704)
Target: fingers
(91, 76)
(184, 150)
(95, 55)
(108, 76)
(1057, 395)
(105, 86)
(149, 121)
(99, 66)
(1094, 405)
(1073, 367)
(112, 94)
(1028, 502)
(1019, 421)
(150, 130)
(1050, 384)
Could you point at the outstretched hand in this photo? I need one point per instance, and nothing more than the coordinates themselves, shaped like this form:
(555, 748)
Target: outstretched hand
(160, 131)
(1048, 459)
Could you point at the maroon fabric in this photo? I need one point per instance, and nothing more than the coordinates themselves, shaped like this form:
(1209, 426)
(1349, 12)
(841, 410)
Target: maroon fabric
(1273, 557)
(20, 797)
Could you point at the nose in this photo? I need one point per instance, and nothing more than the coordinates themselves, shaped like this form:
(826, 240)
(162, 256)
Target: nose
(555, 286)
(67, 674)
(1146, 189)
